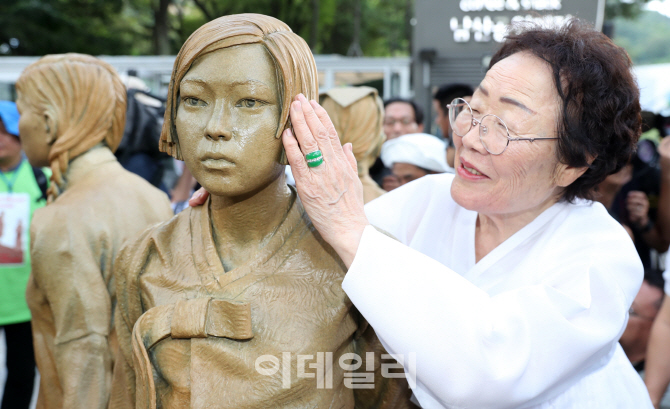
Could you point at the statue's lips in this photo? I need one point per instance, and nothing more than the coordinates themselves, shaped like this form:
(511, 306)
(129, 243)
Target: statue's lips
(217, 163)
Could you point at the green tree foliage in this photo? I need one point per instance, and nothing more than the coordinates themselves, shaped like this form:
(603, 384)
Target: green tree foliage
(623, 8)
(57, 26)
(385, 29)
(296, 13)
(645, 38)
(327, 25)
(134, 27)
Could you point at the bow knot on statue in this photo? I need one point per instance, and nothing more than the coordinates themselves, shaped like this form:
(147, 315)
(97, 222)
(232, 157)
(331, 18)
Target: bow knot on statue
(196, 318)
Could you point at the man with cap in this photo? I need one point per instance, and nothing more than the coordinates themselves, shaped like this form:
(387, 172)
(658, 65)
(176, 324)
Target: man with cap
(20, 195)
(415, 155)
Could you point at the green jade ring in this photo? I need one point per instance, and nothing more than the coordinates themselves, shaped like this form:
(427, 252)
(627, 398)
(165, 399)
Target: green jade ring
(314, 159)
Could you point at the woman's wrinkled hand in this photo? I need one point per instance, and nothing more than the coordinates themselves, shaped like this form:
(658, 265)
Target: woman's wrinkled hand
(331, 193)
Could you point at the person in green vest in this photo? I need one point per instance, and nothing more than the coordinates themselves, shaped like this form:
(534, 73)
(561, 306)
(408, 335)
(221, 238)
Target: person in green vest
(22, 191)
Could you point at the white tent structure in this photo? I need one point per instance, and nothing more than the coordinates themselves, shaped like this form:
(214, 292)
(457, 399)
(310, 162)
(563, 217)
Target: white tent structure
(654, 81)
(334, 71)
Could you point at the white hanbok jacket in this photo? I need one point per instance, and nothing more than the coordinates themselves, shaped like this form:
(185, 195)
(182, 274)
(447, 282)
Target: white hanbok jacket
(533, 324)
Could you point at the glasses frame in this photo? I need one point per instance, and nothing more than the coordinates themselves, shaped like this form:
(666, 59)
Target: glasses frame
(474, 122)
(392, 121)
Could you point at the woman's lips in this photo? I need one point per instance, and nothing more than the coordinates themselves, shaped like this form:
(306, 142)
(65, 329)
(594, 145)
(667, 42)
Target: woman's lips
(469, 171)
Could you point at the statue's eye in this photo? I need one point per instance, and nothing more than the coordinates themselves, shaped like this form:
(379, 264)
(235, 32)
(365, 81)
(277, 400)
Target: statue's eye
(249, 103)
(192, 101)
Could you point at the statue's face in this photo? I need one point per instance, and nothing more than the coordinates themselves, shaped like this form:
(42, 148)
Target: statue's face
(35, 132)
(227, 120)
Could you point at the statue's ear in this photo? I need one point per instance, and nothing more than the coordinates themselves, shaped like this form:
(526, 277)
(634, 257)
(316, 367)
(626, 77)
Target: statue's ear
(51, 128)
(283, 160)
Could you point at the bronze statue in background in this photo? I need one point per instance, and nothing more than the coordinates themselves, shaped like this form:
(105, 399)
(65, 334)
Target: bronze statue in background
(357, 114)
(73, 111)
(238, 303)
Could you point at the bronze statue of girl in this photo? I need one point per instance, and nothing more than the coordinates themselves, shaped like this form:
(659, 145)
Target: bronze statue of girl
(208, 296)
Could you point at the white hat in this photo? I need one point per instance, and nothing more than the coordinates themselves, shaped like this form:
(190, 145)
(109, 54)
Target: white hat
(418, 149)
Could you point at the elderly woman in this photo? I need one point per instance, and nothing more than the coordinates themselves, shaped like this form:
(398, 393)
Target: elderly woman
(510, 288)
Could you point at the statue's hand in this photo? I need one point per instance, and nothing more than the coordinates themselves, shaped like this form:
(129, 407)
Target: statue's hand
(331, 193)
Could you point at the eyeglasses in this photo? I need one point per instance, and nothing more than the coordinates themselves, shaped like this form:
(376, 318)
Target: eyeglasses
(493, 132)
(392, 121)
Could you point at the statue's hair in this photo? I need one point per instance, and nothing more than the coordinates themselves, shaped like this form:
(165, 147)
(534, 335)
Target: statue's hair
(294, 64)
(86, 100)
(358, 122)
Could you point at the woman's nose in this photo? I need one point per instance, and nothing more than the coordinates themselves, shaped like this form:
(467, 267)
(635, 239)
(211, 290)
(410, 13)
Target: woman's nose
(218, 126)
(471, 139)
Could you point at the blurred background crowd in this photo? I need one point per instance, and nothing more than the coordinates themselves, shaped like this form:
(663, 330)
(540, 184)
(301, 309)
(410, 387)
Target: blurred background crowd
(387, 72)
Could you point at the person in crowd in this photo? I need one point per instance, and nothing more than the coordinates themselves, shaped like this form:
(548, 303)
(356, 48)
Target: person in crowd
(415, 155)
(625, 194)
(402, 116)
(138, 151)
(643, 312)
(248, 265)
(443, 97)
(657, 367)
(73, 108)
(635, 205)
(357, 114)
(663, 214)
(389, 181)
(511, 287)
(22, 191)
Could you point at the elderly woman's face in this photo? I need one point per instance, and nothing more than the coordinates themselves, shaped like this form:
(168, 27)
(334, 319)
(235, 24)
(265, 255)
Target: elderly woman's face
(227, 120)
(520, 90)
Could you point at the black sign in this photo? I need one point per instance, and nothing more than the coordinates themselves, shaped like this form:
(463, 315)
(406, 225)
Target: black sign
(455, 39)
(477, 26)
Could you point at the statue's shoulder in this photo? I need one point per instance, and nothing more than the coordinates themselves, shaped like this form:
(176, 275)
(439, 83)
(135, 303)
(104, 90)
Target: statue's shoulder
(55, 218)
(156, 247)
(313, 248)
(158, 241)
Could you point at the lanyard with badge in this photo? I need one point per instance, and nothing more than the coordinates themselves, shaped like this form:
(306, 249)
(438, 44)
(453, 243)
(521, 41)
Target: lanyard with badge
(10, 182)
(14, 219)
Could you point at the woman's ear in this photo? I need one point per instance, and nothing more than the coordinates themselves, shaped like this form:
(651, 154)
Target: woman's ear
(566, 174)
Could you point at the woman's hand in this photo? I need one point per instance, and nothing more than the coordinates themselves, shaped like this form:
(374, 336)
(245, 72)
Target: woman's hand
(331, 193)
(637, 205)
(199, 197)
